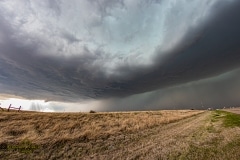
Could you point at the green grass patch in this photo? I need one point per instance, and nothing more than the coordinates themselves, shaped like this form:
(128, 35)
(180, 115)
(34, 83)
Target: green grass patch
(216, 116)
(229, 119)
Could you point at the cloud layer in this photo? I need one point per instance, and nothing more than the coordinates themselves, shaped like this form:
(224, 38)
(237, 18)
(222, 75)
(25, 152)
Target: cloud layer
(218, 92)
(72, 51)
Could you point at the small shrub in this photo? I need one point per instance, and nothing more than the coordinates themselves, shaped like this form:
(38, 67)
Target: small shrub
(91, 111)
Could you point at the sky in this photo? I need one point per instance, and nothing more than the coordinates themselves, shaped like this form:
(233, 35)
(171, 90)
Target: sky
(118, 55)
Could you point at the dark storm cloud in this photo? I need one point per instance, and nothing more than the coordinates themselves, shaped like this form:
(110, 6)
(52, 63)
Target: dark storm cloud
(31, 67)
(217, 92)
(211, 51)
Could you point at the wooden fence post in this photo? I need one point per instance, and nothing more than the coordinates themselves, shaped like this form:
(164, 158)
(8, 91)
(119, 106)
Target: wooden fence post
(9, 107)
(19, 108)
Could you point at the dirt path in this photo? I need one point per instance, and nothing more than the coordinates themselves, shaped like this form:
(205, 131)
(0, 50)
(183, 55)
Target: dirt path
(159, 142)
(175, 141)
(234, 110)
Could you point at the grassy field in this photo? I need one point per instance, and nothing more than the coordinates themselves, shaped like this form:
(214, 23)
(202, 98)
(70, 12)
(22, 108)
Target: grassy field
(175, 134)
(220, 138)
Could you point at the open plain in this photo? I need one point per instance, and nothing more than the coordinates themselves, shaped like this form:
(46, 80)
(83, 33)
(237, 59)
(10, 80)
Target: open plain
(173, 134)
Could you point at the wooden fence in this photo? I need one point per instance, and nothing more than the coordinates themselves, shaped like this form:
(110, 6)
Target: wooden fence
(15, 108)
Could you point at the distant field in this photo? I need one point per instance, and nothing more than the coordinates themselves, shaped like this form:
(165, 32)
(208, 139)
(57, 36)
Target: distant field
(175, 134)
(233, 110)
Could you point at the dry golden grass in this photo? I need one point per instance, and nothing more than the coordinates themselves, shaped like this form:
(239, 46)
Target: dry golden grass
(174, 134)
(51, 127)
